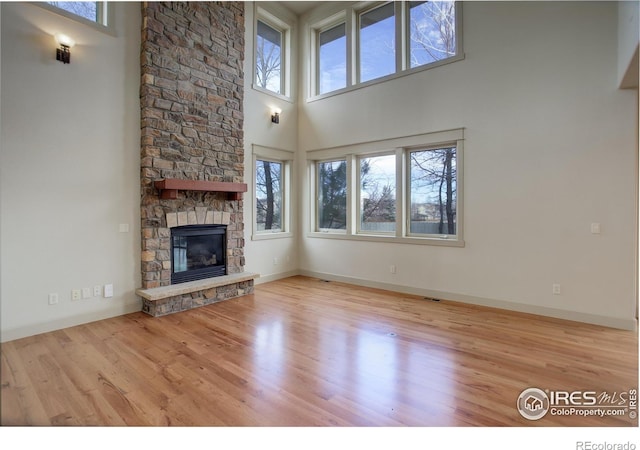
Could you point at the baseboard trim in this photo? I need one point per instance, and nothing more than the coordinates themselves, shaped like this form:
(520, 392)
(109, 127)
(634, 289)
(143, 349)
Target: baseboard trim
(611, 322)
(54, 325)
(275, 277)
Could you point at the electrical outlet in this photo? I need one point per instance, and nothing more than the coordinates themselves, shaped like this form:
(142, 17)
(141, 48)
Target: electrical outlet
(392, 268)
(53, 299)
(96, 291)
(76, 294)
(86, 292)
(275, 261)
(556, 289)
(595, 228)
(108, 290)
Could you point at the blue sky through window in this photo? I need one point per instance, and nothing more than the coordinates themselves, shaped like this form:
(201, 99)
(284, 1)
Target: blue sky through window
(333, 59)
(377, 43)
(430, 34)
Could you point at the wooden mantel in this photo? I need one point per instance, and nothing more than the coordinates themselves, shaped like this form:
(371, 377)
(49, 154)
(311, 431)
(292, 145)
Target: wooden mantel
(169, 187)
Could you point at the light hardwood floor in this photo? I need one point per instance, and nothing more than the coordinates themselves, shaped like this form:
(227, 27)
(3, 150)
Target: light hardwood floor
(303, 352)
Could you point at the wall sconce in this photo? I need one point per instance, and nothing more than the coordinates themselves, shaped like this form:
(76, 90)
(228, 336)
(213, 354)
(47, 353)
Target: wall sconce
(63, 52)
(275, 116)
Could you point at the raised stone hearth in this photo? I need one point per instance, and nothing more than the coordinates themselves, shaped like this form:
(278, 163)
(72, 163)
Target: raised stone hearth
(165, 300)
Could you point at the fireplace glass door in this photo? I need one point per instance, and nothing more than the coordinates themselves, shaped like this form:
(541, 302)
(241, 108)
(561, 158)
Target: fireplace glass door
(197, 252)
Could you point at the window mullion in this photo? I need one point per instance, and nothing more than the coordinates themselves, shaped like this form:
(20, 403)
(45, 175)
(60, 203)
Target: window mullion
(352, 47)
(400, 193)
(400, 45)
(352, 197)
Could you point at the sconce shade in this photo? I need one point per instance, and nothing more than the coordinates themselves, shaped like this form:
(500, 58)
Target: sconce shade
(63, 54)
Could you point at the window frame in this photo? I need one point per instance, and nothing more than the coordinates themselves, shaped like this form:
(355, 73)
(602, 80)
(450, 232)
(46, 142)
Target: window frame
(284, 26)
(315, 196)
(351, 17)
(402, 148)
(104, 11)
(358, 13)
(358, 194)
(318, 32)
(407, 206)
(285, 158)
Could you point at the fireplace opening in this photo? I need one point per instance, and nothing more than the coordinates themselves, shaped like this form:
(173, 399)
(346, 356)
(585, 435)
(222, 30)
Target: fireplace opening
(198, 252)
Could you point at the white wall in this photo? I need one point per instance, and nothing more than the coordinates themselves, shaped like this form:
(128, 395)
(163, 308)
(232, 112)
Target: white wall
(69, 168)
(550, 147)
(259, 130)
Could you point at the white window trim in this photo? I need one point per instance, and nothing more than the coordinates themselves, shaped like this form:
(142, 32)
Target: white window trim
(280, 21)
(104, 22)
(401, 145)
(402, 66)
(286, 158)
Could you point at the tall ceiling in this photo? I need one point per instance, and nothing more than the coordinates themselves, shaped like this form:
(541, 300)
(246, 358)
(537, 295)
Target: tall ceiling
(300, 7)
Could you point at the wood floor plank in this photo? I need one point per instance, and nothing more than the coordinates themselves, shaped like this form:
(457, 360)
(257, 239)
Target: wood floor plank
(305, 352)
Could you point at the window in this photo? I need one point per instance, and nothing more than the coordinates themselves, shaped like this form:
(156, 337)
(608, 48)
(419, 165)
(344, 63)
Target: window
(432, 32)
(272, 199)
(383, 41)
(332, 59)
(273, 50)
(377, 43)
(411, 194)
(433, 191)
(92, 11)
(332, 195)
(377, 205)
(269, 195)
(269, 58)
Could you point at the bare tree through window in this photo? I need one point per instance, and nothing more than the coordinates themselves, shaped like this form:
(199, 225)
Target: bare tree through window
(433, 191)
(269, 58)
(268, 195)
(332, 195)
(88, 10)
(432, 31)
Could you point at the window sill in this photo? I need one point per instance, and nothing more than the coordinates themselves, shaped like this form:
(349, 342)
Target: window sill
(413, 240)
(390, 77)
(262, 90)
(264, 236)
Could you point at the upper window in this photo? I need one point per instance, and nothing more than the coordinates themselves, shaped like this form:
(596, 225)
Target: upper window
(432, 32)
(377, 50)
(92, 11)
(272, 53)
(269, 58)
(389, 39)
(332, 59)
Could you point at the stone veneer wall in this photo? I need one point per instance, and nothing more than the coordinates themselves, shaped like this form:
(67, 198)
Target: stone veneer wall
(191, 98)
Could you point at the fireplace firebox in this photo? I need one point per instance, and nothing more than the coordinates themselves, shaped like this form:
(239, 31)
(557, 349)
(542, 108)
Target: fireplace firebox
(198, 252)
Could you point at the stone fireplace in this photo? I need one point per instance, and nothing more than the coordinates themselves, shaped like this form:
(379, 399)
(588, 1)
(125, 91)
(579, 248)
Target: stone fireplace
(192, 154)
